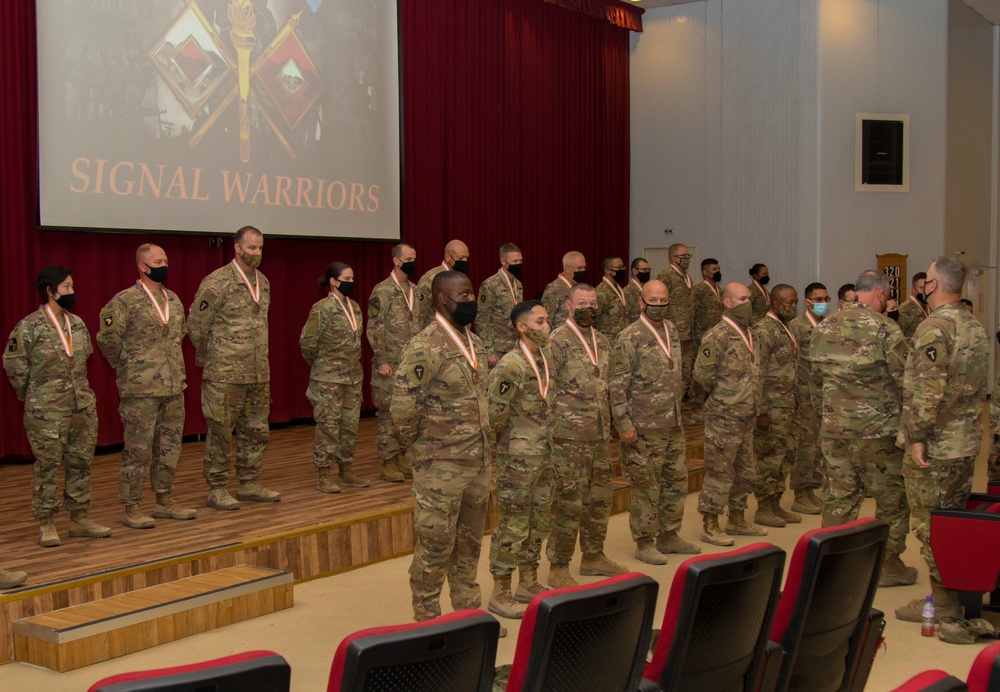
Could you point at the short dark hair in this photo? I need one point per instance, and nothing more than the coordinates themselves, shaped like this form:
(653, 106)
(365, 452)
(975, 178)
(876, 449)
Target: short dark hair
(397, 249)
(442, 278)
(842, 291)
(966, 301)
(578, 288)
(333, 271)
(708, 261)
(608, 261)
(245, 231)
(523, 308)
(635, 262)
(814, 286)
(508, 248)
(50, 277)
(917, 277)
(756, 268)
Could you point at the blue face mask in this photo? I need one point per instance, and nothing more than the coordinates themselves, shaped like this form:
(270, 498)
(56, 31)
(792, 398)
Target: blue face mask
(819, 309)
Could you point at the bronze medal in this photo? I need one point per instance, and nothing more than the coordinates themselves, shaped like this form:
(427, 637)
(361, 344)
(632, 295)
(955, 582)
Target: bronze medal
(751, 356)
(166, 330)
(475, 376)
(545, 406)
(256, 308)
(69, 362)
(597, 371)
(670, 363)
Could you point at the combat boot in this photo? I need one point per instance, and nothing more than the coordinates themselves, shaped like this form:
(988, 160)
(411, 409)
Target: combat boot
(600, 566)
(390, 471)
(403, 466)
(646, 552)
(219, 498)
(253, 491)
(82, 526)
(895, 573)
(528, 585)
(49, 537)
(167, 508)
(502, 601)
(765, 515)
(739, 526)
(326, 483)
(559, 576)
(8, 580)
(349, 480)
(806, 502)
(945, 605)
(670, 542)
(788, 517)
(711, 533)
(135, 518)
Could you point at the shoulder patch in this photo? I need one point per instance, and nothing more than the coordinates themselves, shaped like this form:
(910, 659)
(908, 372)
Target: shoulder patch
(707, 354)
(12, 345)
(504, 387)
(482, 296)
(901, 349)
(418, 372)
(374, 305)
(203, 305)
(931, 353)
(107, 319)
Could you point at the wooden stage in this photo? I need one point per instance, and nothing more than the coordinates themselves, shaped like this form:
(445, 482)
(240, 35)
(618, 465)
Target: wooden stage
(308, 533)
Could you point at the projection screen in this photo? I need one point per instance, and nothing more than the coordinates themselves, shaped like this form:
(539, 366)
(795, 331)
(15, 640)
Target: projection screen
(207, 115)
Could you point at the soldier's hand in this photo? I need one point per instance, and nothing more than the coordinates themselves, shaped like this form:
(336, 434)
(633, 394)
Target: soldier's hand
(763, 422)
(385, 370)
(493, 360)
(629, 436)
(918, 450)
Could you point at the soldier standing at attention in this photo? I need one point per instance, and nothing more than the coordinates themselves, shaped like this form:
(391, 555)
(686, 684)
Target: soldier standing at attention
(914, 310)
(394, 314)
(993, 465)
(331, 343)
(706, 299)
(646, 394)
(681, 310)
(497, 297)
(727, 369)
(456, 258)
(554, 298)
(46, 362)
(9, 580)
(611, 301)
(857, 360)
(759, 297)
(943, 393)
(519, 392)
(580, 427)
(141, 332)
(228, 327)
(777, 353)
(440, 407)
(633, 292)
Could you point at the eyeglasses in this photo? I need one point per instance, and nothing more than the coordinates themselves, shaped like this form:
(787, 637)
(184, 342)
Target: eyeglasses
(683, 256)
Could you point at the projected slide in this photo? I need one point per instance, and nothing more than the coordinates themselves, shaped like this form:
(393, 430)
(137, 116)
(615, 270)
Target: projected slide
(207, 115)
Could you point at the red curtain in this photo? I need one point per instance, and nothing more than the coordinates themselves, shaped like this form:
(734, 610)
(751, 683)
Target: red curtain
(515, 128)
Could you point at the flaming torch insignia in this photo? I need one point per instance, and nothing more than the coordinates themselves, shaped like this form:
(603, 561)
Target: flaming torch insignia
(243, 20)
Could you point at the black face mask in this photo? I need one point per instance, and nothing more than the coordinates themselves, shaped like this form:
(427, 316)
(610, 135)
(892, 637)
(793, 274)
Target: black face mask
(515, 269)
(620, 275)
(409, 267)
(67, 301)
(642, 276)
(580, 277)
(157, 274)
(461, 266)
(465, 312)
(717, 277)
(346, 288)
(764, 280)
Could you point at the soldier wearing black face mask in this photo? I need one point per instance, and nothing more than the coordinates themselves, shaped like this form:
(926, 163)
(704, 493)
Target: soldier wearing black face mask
(760, 298)
(611, 302)
(554, 299)
(497, 297)
(456, 258)
(633, 292)
(914, 310)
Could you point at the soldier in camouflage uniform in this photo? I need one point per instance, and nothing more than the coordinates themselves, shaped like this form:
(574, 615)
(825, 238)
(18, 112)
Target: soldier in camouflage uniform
(681, 312)
(857, 358)
(46, 362)
(611, 301)
(580, 427)
(943, 393)
(555, 294)
(726, 367)
(646, 392)
(456, 258)
(633, 292)
(807, 473)
(331, 343)
(519, 392)
(993, 466)
(141, 332)
(227, 324)
(914, 310)
(497, 297)
(440, 407)
(776, 350)
(394, 316)
(759, 296)
(706, 305)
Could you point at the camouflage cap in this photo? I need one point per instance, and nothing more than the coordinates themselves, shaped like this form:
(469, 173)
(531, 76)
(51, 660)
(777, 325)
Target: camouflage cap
(959, 631)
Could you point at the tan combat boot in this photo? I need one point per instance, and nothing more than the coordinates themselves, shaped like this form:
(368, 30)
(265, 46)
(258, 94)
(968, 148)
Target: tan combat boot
(135, 518)
(390, 471)
(502, 601)
(253, 491)
(599, 565)
(646, 552)
(403, 466)
(789, 517)
(670, 542)
(8, 580)
(806, 502)
(219, 498)
(82, 526)
(528, 585)
(326, 483)
(765, 515)
(895, 573)
(711, 533)
(349, 480)
(739, 526)
(49, 537)
(559, 576)
(167, 508)
(945, 605)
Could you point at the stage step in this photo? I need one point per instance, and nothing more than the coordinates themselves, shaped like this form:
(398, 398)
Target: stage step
(88, 633)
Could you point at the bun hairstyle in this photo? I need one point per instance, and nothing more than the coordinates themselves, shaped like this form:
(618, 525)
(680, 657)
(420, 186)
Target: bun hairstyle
(333, 271)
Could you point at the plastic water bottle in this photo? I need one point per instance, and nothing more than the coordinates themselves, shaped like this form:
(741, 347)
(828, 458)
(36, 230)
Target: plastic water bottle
(927, 618)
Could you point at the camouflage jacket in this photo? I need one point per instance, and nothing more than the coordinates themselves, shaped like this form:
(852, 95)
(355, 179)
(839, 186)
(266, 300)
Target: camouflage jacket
(147, 362)
(633, 292)
(427, 300)
(777, 357)
(646, 387)
(857, 357)
(519, 420)
(391, 323)
(40, 370)
(493, 323)
(760, 299)
(995, 418)
(945, 384)
(610, 318)
(580, 410)
(554, 300)
(681, 310)
(708, 310)
(229, 330)
(329, 343)
(728, 372)
(441, 411)
(802, 327)
(910, 315)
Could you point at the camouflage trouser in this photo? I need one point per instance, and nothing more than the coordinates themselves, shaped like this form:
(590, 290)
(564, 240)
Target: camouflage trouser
(772, 448)
(449, 517)
(807, 472)
(655, 466)
(730, 472)
(337, 409)
(243, 408)
(154, 427)
(581, 499)
(689, 349)
(387, 437)
(524, 501)
(946, 485)
(61, 437)
(854, 466)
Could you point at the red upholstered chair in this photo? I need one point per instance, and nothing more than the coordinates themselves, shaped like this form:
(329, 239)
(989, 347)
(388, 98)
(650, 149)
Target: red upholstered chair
(719, 613)
(454, 652)
(253, 671)
(591, 637)
(984, 676)
(933, 681)
(966, 545)
(993, 488)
